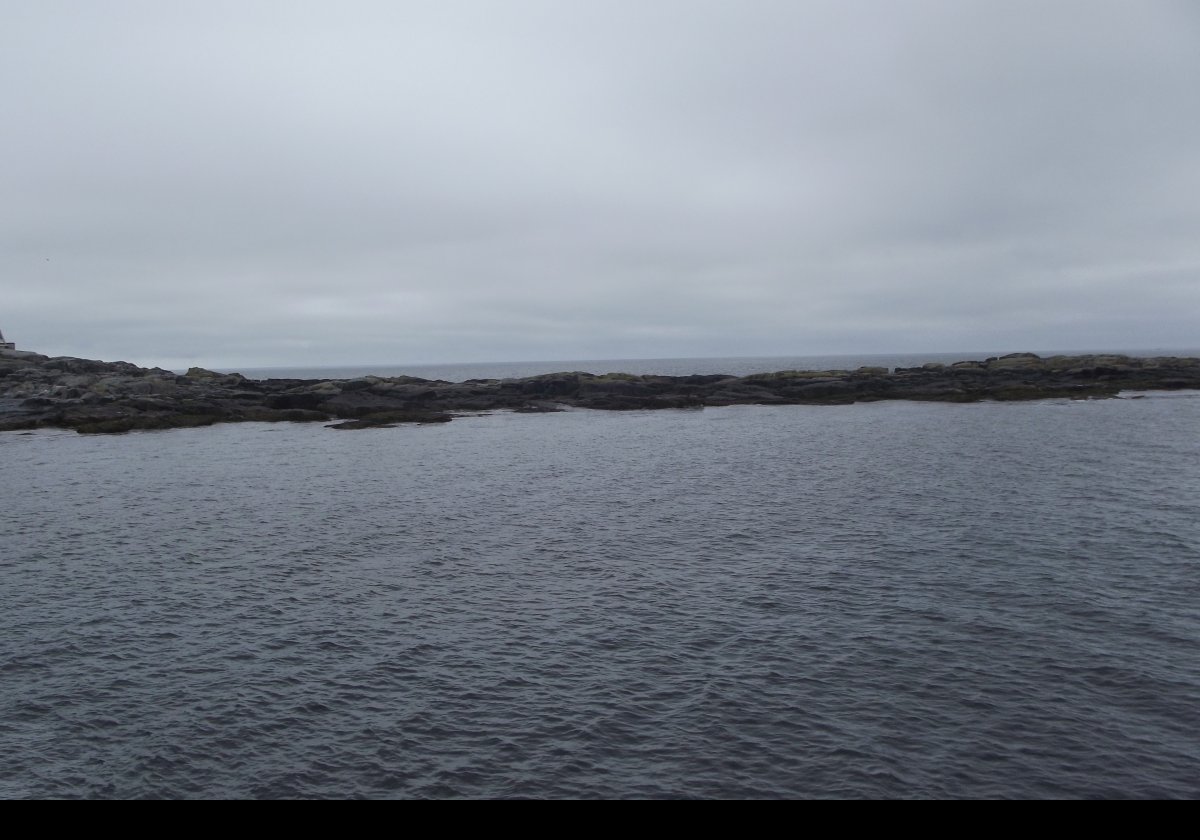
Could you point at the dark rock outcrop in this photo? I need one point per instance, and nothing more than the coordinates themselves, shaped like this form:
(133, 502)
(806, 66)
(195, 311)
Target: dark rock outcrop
(106, 397)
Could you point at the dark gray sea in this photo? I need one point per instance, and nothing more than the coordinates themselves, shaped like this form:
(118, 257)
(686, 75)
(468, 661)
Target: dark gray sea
(878, 600)
(733, 365)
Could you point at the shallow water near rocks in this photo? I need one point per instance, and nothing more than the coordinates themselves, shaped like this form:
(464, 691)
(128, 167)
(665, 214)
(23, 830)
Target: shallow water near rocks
(877, 600)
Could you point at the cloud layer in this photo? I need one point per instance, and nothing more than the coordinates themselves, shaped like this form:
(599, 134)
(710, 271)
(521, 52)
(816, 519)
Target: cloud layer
(255, 183)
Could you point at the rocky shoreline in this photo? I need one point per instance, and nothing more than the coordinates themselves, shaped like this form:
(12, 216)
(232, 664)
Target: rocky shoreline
(89, 396)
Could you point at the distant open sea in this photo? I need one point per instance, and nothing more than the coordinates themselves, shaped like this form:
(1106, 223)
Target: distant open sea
(890, 599)
(733, 365)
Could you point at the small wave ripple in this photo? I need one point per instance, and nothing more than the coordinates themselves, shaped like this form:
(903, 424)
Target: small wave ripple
(888, 600)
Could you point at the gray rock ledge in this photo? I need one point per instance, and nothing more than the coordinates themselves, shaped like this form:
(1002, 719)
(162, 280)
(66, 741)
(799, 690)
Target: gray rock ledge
(108, 397)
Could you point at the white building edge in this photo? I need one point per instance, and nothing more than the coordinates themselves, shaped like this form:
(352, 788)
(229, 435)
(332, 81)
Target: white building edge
(6, 345)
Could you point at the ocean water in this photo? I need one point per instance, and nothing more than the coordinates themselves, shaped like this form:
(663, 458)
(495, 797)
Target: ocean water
(880, 600)
(733, 365)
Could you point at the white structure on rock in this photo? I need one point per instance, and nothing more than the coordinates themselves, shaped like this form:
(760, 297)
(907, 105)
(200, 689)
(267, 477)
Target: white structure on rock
(6, 345)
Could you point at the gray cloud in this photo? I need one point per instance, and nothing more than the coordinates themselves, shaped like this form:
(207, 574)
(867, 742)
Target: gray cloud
(257, 183)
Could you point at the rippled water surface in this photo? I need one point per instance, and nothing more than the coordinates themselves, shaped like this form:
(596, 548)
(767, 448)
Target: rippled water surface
(889, 599)
(735, 365)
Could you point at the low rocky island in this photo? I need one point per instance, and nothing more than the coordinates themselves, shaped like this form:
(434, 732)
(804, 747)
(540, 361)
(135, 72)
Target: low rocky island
(37, 391)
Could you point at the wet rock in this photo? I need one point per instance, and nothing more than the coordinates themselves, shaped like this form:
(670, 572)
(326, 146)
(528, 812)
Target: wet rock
(388, 419)
(104, 397)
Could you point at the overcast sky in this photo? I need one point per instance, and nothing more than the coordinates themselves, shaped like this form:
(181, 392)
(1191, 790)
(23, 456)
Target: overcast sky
(253, 183)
